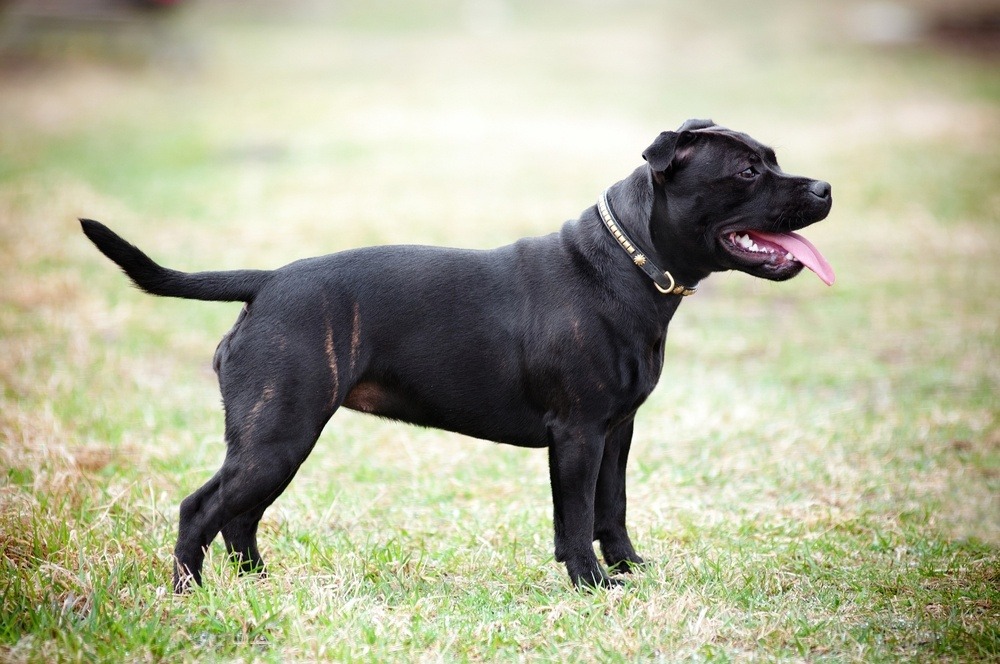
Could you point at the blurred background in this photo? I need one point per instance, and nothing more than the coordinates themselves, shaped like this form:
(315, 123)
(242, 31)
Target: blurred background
(475, 120)
(249, 134)
(818, 471)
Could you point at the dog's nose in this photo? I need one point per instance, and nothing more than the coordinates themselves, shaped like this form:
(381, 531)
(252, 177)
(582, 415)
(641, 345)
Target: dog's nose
(820, 189)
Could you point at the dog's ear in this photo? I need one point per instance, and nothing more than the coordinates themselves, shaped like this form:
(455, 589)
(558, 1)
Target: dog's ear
(692, 125)
(670, 151)
(661, 152)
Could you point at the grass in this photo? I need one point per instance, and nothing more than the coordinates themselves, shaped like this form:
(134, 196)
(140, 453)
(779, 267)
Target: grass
(816, 478)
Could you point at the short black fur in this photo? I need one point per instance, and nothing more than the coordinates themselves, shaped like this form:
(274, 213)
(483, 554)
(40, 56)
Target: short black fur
(551, 342)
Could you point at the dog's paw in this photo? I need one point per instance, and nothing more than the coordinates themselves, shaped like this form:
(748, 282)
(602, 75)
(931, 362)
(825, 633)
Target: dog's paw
(620, 557)
(626, 564)
(591, 584)
(183, 581)
(246, 566)
(587, 575)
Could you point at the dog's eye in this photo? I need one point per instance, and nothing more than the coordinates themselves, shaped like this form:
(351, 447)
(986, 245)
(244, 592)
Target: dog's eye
(749, 173)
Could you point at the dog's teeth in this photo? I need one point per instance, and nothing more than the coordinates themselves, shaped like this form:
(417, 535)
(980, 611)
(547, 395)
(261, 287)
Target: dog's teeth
(789, 257)
(754, 247)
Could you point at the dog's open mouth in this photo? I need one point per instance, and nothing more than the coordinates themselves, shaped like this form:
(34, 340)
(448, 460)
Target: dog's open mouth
(779, 251)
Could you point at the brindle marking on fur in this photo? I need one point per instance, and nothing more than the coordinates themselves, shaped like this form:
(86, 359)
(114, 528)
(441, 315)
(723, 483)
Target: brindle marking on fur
(331, 361)
(254, 415)
(355, 336)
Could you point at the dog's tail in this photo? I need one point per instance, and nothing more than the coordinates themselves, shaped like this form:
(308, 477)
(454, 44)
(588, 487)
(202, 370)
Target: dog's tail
(228, 286)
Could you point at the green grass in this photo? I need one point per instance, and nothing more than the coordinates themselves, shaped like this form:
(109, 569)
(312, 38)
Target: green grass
(816, 478)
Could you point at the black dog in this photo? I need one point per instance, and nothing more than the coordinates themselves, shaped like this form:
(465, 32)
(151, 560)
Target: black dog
(551, 342)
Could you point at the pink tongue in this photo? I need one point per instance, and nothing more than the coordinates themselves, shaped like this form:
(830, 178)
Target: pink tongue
(803, 250)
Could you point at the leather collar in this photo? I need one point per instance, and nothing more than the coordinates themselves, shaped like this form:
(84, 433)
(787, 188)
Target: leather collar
(662, 279)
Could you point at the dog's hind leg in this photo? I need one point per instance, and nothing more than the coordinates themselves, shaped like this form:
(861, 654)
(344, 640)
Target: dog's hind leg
(240, 536)
(271, 426)
(609, 507)
(257, 469)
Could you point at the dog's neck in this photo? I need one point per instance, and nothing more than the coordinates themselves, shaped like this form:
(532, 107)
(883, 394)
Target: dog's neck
(663, 280)
(643, 215)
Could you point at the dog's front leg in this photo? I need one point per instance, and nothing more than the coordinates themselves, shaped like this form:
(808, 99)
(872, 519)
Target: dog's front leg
(609, 508)
(574, 463)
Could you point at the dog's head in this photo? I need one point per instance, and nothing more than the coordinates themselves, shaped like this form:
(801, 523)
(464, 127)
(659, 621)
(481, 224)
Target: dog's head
(723, 197)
